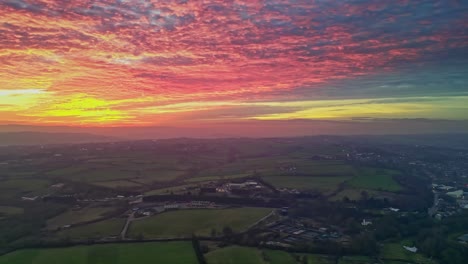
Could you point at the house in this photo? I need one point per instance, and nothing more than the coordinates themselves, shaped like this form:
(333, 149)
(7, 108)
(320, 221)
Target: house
(200, 203)
(25, 198)
(171, 206)
(147, 213)
(463, 238)
(456, 194)
(251, 183)
(366, 223)
(411, 249)
(235, 185)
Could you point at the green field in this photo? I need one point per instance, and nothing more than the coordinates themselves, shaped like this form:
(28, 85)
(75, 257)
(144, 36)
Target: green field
(112, 172)
(117, 184)
(375, 179)
(19, 187)
(323, 168)
(155, 174)
(396, 251)
(183, 223)
(318, 259)
(269, 166)
(6, 211)
(278, 257)
(66, 171)
(235, 255)
(306, 183)
(250, 255)
(104, 174)
(176, 189)
(215, 178)
(110, 227)
(78, 216)
(141, 253)
(355, 260)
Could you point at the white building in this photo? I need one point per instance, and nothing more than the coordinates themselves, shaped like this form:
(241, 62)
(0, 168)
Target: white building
(456, 194)
(411, 249)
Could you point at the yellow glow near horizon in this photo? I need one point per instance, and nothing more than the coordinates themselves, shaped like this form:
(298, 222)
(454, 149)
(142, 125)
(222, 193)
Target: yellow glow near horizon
(418, 107)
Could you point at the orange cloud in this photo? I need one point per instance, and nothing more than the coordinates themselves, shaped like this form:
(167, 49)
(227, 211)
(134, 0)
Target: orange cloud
(118, 61)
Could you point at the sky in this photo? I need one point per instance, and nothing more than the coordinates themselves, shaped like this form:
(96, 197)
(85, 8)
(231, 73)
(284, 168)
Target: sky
(173, 63)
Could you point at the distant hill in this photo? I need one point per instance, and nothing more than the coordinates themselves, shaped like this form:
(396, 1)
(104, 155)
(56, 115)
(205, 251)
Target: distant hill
(42, 138)
(454, 141)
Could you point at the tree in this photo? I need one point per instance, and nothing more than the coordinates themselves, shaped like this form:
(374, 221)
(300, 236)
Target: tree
(227, 231)
(198, 250)
(452, 256)
(364, 195)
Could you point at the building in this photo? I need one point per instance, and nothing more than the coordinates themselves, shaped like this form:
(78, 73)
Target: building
(208, 189)
(463, 238)
(171, 206)
(235, 185)
(25, 198)
(411, 249)
(456, 194)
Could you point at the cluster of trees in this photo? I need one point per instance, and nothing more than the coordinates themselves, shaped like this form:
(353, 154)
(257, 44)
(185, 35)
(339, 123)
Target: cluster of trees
(221, 200)
(198, 250)
(24, 230)
(434, 239)
(334, 213)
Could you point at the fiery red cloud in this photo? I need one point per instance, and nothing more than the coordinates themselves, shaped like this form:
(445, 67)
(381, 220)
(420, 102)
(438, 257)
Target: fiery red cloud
(152, 62)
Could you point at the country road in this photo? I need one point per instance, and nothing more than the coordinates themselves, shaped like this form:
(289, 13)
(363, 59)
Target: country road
(127, 224)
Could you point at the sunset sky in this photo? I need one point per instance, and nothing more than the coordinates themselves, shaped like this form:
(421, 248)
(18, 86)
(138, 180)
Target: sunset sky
(151, 63)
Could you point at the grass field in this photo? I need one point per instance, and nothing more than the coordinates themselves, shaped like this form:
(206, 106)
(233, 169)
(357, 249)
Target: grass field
(251, 255)
(235, 255)
(20, 187)
(269, 166)
(352, 194)
(6, 211)
(375, 179)
(355, 260)
(318, 259)
(306, 183)
(66, 171)
(278, 257)
(183, 223)
(141, 253)
(176, 189)
(323, 168)
(78, 216)
(396, 251)
(215, 178)
(108, 170)
(155, 174)
(104, 174)
(117, 184)
(110, 227)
